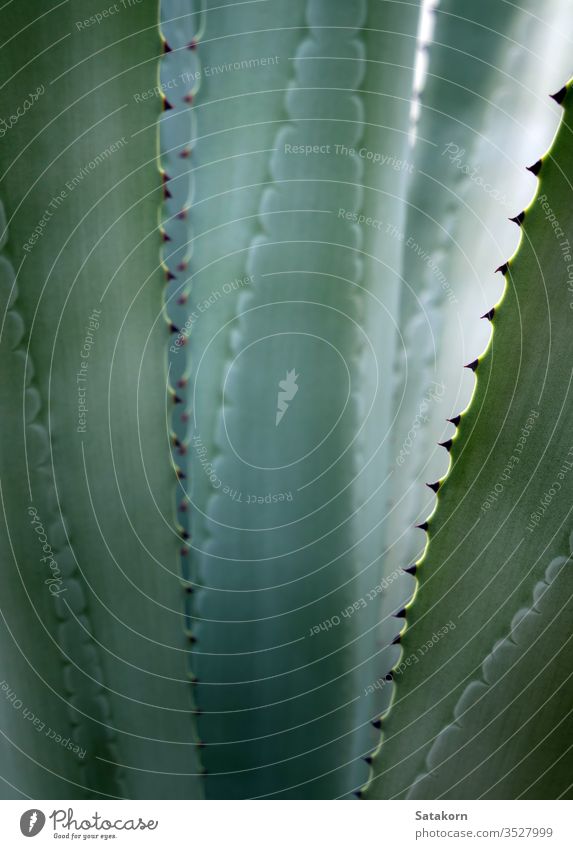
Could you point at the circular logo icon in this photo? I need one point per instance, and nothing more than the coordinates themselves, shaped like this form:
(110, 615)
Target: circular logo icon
(32, 822)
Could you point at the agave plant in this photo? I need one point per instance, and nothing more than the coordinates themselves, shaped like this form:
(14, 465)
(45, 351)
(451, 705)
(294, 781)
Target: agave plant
(238, 243)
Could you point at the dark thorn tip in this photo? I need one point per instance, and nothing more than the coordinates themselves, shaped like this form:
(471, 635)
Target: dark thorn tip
(535, 168)
(518, 219)
(455, 420)
(559, 96)
(434, 486)
(473, 365)
(447, 444)
(503, 268)
(489, 314)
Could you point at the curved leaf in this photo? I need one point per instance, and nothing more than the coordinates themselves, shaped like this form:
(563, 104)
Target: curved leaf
(81, 185)
(510, 475)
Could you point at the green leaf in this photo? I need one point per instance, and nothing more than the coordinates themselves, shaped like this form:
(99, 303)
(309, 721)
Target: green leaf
(479, 92)
(287, 466)
(505, 505)
(508, 736)
(105, 663)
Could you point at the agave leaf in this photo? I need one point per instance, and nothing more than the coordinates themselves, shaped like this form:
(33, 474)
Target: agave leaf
(180, 75)
(505, 505)
(286, 503)
(482, 84)
(31, 664)
(81, 188)
(507, 737)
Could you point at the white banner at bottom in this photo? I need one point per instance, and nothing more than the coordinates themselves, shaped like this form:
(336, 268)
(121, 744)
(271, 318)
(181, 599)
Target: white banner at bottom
(284, 824)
